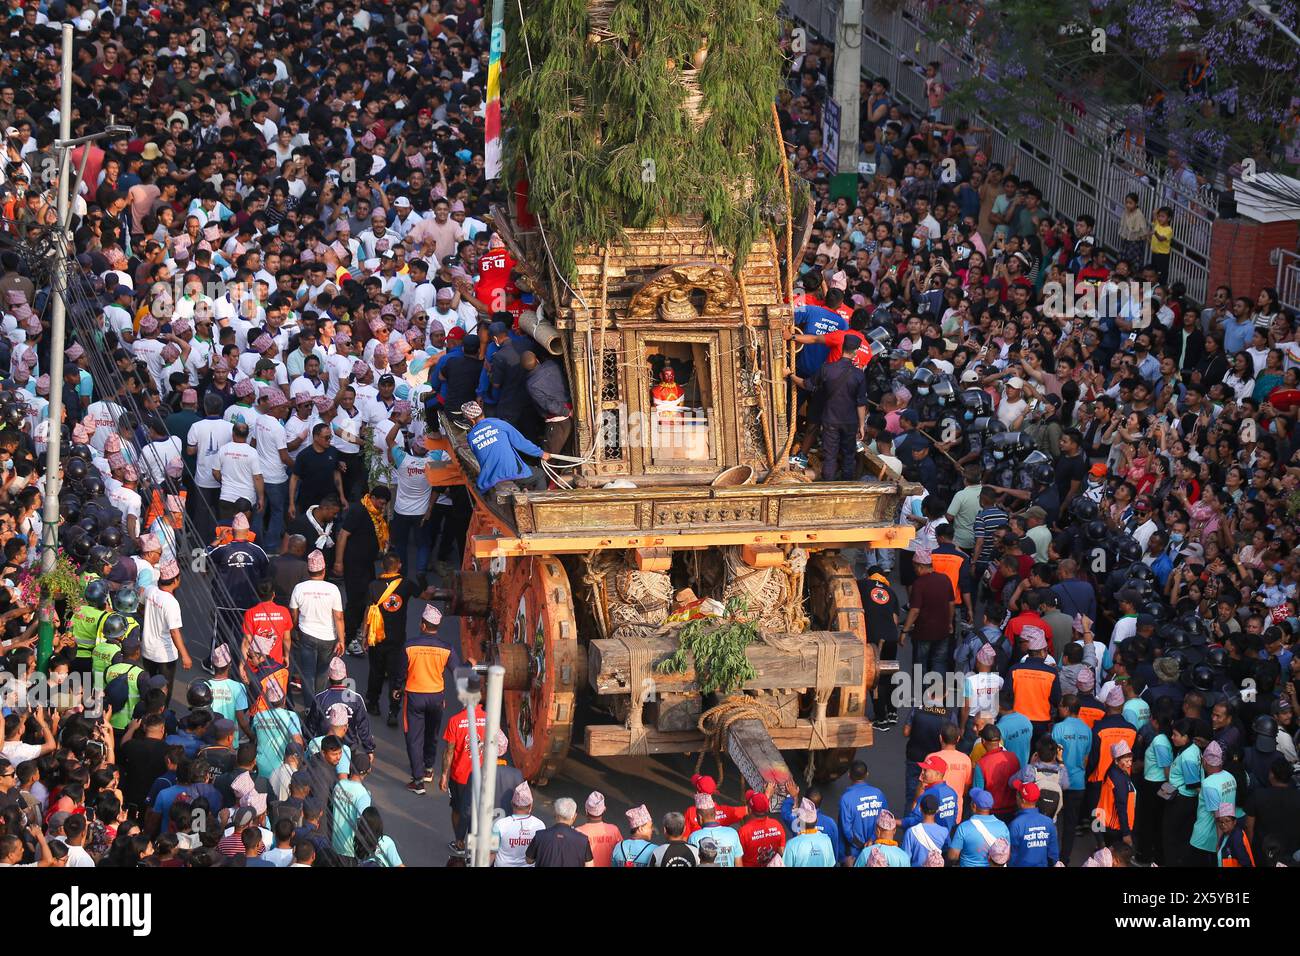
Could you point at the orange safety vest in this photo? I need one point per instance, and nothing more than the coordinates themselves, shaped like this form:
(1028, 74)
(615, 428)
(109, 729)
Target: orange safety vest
(1032, 692)
(278, 676)
(1108, 736)
(1106, 804)
(949, 565)
(1090, 715)
(226, 535)
(1231, 861)
(157, 508)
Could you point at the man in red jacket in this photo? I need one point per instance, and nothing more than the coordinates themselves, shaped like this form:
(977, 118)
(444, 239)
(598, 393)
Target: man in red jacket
(995, 771)
(728, 816)
(762, 836)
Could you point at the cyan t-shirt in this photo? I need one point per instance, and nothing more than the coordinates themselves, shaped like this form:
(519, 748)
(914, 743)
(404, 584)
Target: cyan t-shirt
(275, 728)
(728, 840)
(1158, 758)
(346, 804)
(810, 850)
(1075, 739)
(974, 846)
(1217, 788)
(894, 855)
(228, 698)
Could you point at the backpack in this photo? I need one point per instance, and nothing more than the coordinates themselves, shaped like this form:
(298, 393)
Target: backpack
(970, 644)
(1050, 796)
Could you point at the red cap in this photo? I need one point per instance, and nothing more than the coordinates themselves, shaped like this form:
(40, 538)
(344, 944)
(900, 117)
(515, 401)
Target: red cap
(704, 784)
(757, 801)
(1029, 791)
(933, 762)
(456, 334)
(425, 112)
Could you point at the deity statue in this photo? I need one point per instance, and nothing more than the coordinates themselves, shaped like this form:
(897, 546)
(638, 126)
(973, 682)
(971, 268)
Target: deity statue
(668, 396)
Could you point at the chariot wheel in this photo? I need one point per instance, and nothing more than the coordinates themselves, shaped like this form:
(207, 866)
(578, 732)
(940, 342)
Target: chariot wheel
(532, 632)
(835, 604)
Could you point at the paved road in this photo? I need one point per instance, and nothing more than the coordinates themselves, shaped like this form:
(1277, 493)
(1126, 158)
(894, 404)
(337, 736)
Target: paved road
(421, 825)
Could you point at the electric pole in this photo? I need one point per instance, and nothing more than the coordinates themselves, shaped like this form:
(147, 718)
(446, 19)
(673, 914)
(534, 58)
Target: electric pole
(847, 77)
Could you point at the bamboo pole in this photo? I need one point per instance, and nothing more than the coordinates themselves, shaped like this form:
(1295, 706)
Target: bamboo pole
(792, 403)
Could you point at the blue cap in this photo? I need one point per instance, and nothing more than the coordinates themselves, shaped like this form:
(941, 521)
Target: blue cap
(981, 799)
(910, 415)
(498, 328)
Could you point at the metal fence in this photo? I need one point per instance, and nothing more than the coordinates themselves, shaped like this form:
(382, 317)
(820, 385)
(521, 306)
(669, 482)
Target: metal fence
(1288, 279)
(1081, 163)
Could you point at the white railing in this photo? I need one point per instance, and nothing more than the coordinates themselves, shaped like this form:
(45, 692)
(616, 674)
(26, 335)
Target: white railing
(1082, 163)
(1288, 278)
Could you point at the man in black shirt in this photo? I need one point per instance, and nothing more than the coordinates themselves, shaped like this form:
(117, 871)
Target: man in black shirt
(318, 523)
(461, 374)
(315, 474)
(1071, 468)
(393, 594)
(881, 610)
(560, 845)
(142, 760)
(1273, 815)
(840, 389)
(357, 550)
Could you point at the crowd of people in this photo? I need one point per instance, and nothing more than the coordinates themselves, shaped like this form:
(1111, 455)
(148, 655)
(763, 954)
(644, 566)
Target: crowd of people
(288, 270)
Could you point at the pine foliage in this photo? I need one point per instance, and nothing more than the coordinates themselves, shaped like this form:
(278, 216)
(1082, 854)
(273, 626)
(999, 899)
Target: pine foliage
(599, 118)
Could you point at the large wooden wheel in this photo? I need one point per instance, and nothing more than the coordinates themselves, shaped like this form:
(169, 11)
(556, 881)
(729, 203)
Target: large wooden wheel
(835, 604)
(530, 629)
(473, 629)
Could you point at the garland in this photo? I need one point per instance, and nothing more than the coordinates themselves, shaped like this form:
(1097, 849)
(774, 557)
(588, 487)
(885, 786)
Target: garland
(717, 646)
(601, 129)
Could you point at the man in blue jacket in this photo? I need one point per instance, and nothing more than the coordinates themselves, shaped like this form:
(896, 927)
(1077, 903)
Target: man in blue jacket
(859, 807)
(497, 444)
(1032, 834)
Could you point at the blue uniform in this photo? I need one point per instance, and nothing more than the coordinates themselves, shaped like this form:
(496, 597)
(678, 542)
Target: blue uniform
(973, 844)
(915, 846)
(810, 850)
(825, 824)
(1017, 735)
(816, 320)
(1033, 840)
(496, 445)
(358, 734)
(947, 815)
(1075, 739)
(859, 807)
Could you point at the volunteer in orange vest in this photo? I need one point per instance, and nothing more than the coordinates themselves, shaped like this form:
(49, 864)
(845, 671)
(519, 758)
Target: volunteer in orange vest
(1035, 685)
(1117, 801)
(1091, 709)
(1110, 730)
(955, 565)
(428, 655)
(1234, 845)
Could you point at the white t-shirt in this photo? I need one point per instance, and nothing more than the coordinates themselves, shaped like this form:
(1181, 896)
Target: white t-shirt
(126, 501)
(208, 437)
(347, 431)
(149, 351)
(162, 615)
(156, 455)
(982, 692)
(15, 751)
(413, 487)
(316, 601)
(270, 442)
(296, 427)
(1009, 411)
(515, 834)
(238, 463)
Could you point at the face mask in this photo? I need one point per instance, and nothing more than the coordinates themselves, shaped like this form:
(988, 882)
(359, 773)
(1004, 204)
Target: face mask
(922, 390)
(1175, 539)
(998, 456)
(916, 242)
(886, 252)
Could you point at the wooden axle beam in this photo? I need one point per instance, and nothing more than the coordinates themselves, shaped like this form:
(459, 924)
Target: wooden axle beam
(609, 665)
(760, 762)
(488, 546)
(612, 740)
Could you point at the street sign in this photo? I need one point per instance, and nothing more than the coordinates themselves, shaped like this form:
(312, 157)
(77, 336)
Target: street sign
(831, 136)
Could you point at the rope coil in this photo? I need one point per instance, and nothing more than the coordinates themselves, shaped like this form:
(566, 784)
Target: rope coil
(715, 722)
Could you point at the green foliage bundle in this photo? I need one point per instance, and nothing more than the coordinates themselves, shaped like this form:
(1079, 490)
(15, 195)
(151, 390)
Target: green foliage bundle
(717, 646)
(597, 119)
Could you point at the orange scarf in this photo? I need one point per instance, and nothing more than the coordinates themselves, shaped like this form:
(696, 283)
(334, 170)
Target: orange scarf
(381, 523)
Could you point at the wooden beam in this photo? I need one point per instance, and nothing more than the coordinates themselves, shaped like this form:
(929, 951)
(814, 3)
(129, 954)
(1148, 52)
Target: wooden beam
(762, 555)
(653, 559)
(891, 536)
(609, 665)
(611, 740)
(751, 748)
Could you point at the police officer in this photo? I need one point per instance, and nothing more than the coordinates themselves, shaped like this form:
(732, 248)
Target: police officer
(358, 735)
(85, 624)
(428, 655)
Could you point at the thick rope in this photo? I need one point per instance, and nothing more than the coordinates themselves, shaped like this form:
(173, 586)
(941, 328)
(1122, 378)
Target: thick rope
(640, 657)
(717, 720)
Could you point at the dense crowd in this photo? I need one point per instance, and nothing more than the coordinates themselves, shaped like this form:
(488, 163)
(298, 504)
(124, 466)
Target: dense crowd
(287, 271)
